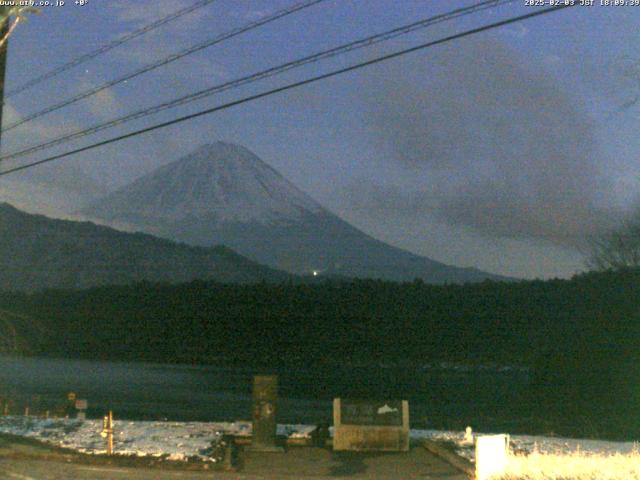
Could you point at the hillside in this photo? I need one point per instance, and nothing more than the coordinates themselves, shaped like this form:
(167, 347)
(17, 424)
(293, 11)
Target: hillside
(37, 252)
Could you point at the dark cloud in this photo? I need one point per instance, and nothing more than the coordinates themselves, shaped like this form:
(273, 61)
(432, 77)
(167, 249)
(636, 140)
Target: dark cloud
(512, 155)
(628, 81)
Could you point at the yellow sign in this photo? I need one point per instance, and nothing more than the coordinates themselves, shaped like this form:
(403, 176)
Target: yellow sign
(71, 396)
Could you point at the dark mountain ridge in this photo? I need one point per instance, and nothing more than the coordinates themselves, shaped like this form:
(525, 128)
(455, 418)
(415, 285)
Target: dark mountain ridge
(38, 252)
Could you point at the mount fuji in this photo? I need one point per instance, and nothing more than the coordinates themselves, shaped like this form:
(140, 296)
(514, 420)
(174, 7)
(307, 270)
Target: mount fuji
(223, 193)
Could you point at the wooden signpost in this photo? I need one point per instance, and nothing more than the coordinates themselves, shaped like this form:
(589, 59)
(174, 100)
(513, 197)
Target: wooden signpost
(107, 431)
(265, 395)
(81, 409)
(364, 425)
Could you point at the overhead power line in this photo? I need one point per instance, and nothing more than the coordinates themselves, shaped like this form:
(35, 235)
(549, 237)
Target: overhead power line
(291, 86)
(165, 61)
(260, 75)
(107, 47)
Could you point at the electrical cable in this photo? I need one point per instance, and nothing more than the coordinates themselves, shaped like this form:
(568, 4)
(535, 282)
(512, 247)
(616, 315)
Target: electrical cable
(107, 47)
(270, 72)
(165, 61)
(292, 86)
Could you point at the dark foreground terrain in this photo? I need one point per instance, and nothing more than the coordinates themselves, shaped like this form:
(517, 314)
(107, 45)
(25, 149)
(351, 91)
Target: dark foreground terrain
(25, 460)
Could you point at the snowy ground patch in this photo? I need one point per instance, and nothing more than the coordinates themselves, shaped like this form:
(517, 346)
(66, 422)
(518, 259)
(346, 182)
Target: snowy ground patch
(553, 458)
(176, 440)
(528, 444)
(183, 440)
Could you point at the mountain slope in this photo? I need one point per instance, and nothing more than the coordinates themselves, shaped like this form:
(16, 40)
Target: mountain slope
(224, 194)
(38, 252)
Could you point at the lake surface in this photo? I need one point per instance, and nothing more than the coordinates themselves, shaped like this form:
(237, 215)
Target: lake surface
(487, 399)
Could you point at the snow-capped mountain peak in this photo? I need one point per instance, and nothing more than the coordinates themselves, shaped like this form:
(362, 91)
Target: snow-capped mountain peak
(223, 194)
(223, 181)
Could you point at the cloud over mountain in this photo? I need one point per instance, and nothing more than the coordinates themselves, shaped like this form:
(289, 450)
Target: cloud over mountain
(500, 146)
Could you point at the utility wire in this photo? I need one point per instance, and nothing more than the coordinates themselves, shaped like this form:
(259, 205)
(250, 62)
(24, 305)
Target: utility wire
(107, 47)
(165, 61)
(291, 86)
(365, 42)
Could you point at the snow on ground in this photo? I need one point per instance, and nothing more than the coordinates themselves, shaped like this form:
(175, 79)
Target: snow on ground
(178, 440)
(528, 444)
(181, 440)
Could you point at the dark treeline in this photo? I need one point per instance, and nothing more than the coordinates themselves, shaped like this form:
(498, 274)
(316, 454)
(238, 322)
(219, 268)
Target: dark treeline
(580, 337)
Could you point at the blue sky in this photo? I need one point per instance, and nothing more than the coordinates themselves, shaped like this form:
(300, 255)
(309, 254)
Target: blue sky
(364, 144)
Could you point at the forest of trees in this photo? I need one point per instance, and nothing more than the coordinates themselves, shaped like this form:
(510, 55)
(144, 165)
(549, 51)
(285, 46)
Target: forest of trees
(579, 337)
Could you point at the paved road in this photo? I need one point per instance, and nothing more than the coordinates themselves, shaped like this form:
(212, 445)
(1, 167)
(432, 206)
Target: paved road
(53, 470)
(297, 463)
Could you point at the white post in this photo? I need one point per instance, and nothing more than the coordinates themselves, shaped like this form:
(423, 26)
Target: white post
(491, 456)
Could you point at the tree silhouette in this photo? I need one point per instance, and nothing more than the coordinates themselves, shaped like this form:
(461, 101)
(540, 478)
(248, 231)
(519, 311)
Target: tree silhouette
(618, 248)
